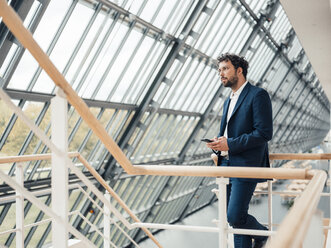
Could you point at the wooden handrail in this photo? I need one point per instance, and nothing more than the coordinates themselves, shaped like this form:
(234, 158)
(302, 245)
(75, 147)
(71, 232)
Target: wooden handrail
(15, 25)
(292, 156)
(182, 170)
(300, 156)
(293, 228)
(196, 171)
(33, 157)
(213, 171)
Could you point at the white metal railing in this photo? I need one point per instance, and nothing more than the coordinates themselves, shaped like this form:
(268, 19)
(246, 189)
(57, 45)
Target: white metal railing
(20, 212)
(108, 221)
(29, 196)
(35, 193)
(61, 192)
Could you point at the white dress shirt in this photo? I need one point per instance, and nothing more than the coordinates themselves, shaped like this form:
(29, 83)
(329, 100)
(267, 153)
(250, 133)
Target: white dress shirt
(233, 101)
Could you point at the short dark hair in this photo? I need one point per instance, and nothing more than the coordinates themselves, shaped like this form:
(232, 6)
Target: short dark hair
(236, 60)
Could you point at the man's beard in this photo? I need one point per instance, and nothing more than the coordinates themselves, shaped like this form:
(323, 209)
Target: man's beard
(231, 82)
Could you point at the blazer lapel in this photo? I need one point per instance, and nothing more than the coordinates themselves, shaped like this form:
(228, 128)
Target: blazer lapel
(241, 98)
(225, 113)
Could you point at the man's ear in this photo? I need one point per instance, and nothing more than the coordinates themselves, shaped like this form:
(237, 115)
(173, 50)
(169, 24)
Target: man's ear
(240, 70)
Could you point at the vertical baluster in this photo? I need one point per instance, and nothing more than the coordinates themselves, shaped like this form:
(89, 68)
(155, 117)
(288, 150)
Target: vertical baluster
(19, 207)
(106, 223)
(222, 222)
(270, 203)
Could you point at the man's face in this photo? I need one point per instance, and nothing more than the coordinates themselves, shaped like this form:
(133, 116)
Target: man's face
(228, 74)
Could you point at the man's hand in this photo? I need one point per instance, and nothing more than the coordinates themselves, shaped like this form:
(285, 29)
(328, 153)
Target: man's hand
(219, 144)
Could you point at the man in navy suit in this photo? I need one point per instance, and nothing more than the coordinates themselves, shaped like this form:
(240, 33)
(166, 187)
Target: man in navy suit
(246, 128)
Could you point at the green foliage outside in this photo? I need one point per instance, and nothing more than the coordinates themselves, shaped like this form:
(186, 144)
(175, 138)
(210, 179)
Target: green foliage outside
(20, 130)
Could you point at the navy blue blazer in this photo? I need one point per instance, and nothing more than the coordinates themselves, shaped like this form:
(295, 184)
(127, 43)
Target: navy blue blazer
(249, 128)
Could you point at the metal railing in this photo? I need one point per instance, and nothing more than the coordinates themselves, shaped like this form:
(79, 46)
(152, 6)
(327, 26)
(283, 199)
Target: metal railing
(296, 221)
(108, 207)
(290, 232)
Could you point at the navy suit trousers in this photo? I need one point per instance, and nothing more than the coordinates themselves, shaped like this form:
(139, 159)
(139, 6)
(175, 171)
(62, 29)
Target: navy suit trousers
(239, 194)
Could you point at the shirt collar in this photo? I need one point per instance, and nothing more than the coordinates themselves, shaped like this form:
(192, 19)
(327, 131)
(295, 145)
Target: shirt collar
(237, 93)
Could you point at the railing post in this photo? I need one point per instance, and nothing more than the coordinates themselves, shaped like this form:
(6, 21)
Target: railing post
(59, 112)
(106, 223)
(222, 222)
(19, 207)
(270, 205)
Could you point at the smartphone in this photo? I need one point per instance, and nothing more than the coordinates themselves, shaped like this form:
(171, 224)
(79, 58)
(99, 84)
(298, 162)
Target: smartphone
(207, 140)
